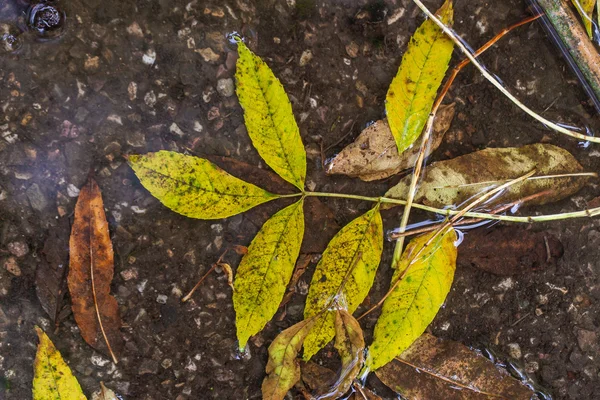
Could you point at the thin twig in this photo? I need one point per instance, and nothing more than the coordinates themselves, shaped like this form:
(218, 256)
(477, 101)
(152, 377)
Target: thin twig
(212, 268)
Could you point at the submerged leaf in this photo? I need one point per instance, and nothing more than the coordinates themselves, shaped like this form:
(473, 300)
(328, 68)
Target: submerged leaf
(453, 182)
(414, 302)
(350, 345)
(269, 118)
(347, 270)
(374, 155)
(586, 10)
(53, 379)
(195, 187)
(433, 368)
(412, 92)
(283, 368)
(91, 272)
(266, 269)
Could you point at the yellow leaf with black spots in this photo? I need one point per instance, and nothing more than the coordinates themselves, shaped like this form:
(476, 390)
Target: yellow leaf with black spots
(413, 90)
(414, 302)
(269, 118)
(346, 270)
(195, 187)
(52, 377)
(586, 10)
(266, 269)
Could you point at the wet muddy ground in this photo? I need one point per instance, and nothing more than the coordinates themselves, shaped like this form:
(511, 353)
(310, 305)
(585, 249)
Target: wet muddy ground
(128, 77)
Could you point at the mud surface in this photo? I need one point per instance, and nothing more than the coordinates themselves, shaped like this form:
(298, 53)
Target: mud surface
(126, 77)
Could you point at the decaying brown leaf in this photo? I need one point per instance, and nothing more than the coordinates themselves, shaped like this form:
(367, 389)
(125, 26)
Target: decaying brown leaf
(316, 377)
(350, 345)
(50, 275)
(433, 368)
(361, 393)
(374, 155)
(91, 271)
(508, 250)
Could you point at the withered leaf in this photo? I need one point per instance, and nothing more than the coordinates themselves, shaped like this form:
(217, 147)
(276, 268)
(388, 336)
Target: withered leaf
(374, 155)
(350, 345)
(50, 275)
(433, 368)
(316, 377)
(508, 250)
(91, 271)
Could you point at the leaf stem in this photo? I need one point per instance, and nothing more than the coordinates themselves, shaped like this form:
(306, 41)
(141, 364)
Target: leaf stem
(494, 81)
(283, 196)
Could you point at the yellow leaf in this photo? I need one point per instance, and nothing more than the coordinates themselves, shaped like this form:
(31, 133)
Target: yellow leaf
(266, 269)
(586, 9)
(283, 369)
(52, 378)
(350, 345)
(412, 92)
(195, 187)
(269, 118)
(346, 270)
(415, 301)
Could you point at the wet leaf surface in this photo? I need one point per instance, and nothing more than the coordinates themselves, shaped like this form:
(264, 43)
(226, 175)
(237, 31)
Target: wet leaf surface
(91, 271)
(283, 368)
(430, 262)
(269, 118)
(195, 187)
(412, 92)
(374, 155)
(349, 263)
(509, 250)
(51, 272)
(444, 369)
(452, 182)
(53, 379)
(586, 11)
(265, 271)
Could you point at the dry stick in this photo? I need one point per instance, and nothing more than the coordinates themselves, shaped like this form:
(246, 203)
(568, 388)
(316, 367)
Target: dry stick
(497, 210)
(187, 296)
(447, 224)
(427, 132)
(499, 85)
(449, 380)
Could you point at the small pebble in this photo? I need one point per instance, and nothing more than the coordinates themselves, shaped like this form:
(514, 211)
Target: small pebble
(305, 58)
(225, 87)
(12, 267)
(514, 350)
(161, 299)
(18, 249)
(149, 57)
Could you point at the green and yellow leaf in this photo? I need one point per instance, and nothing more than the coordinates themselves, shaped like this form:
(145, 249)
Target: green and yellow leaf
(412, 92)
(52, 377)
(586, 10)
(195, 187)
(346, 270)
(283, 368)
(269, 118)
(350, 344)
(414, 302)
(266, 269)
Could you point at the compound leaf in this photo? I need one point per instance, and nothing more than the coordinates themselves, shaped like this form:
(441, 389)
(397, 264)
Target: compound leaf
(347, 270)
(412, 92)
(269, 118)
(266, 269)
(414, 302)
(586, 9)
(283, 368)
(195, 187)
(52, 377)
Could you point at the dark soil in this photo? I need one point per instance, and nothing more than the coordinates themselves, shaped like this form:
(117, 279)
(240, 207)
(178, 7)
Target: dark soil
(124, 77)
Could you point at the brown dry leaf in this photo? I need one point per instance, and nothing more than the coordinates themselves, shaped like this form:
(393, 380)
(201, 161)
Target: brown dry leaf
(229, 272)
(364, 394)
(316, 377)
(50, 275)
(301, 265)
(350, 345)
(374, 155)
(91, 271)
(508, 250)
(433, 368)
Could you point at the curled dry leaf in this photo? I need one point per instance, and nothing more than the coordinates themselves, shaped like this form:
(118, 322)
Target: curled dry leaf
(52, 377)
(91, 272)
(508, 250)
(452, 182)
(433, 368)
(374, 155)
(283, 368)
(350, 345)
(51, 272)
